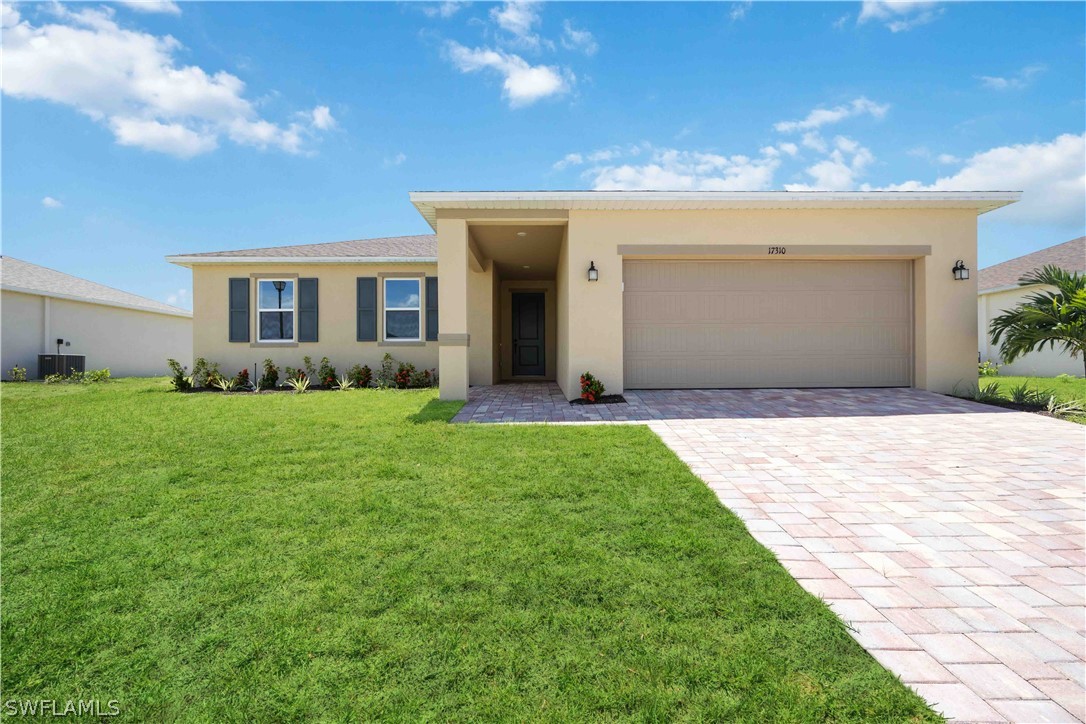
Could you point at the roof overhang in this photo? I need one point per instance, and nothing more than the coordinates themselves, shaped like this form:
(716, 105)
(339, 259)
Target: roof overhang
(428, 202)
(91, 300)
(188, 261)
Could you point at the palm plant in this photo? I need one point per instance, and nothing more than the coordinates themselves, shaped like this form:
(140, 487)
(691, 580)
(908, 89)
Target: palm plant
(1053, 318)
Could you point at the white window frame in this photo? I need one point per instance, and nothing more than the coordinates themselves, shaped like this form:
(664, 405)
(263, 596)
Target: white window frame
(293, 312)
(387, 309)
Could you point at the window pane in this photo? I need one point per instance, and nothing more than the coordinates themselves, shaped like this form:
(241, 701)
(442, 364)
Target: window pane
(401, 325)
(402, 293)
(276, 325)
(269, 296)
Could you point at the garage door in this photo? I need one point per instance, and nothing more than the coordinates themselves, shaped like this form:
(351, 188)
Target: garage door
(767, 324)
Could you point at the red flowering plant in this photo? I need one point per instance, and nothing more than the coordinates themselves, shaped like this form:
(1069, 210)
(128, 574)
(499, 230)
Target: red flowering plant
(404, 375)
(591, 388)
(243, 378)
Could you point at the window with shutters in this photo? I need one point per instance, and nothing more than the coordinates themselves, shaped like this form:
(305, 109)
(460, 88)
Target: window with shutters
(403, 310)
(275, 310)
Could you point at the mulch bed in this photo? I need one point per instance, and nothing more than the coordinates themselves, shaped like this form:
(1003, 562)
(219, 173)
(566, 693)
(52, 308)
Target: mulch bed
(604, 400)
(1035, 409)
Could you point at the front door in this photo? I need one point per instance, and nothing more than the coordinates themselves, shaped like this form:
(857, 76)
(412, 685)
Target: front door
(528, 349)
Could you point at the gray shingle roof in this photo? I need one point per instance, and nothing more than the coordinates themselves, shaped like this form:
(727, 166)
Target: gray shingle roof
(22, 276)
(1070, 255)
(423, 246)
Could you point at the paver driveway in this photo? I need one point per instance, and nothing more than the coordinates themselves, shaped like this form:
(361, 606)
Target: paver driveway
(949, 534)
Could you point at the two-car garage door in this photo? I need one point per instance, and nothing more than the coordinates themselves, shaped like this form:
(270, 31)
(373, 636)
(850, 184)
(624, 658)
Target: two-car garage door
(767, 323)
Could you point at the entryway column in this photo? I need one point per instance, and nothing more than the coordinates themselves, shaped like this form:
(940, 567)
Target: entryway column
(453, 340)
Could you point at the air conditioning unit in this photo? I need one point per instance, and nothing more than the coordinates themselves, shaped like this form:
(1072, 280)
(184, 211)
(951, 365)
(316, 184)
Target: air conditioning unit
(60, 364)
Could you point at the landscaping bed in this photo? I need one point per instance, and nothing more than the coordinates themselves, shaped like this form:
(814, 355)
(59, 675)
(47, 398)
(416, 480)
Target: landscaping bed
(604, 400)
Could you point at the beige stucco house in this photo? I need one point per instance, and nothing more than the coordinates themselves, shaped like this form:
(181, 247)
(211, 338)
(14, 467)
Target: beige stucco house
(129, 334)
(643, 289)
(998, 291)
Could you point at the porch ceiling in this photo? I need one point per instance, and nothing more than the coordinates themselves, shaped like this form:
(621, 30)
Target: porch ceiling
(532, 256)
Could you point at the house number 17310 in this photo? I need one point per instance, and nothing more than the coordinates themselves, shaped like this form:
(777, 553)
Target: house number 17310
(778, 250)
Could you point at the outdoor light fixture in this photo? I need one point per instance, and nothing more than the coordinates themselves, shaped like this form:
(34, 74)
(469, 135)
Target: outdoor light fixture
(593, 272)
(961, 271)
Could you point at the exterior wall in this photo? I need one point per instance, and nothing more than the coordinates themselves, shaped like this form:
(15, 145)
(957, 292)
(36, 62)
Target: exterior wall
(337, 310)
(550, 332)
(1043, 363)
(129, 342)
(481, 314)
(945, 326)
(561, 288)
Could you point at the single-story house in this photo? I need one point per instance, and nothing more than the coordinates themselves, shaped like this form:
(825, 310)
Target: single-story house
(998, 291)
(129, 334)
(645, 289)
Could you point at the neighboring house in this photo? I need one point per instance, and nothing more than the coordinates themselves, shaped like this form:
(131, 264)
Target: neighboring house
(998, 291)
(129, 334)
(644, 289)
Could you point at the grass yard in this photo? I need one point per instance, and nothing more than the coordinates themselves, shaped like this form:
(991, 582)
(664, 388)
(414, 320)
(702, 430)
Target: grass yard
(348, 556)
(1064, 388)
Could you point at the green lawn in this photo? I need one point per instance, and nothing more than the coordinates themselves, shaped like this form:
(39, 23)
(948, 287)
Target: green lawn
(348, 556)
(1063, 388)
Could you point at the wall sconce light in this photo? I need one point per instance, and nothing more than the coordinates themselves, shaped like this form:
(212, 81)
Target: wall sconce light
(593, 272)
(961, 271)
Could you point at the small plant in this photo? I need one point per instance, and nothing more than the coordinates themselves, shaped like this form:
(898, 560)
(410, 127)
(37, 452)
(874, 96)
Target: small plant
(1066, 407)
(988, 369)
(226, 384)
(327, 373)
(17, 374)
(270, 376)
(55, 379)
(179, 378)
(422, 378)
(404, 373)
(344, 383)
(93, 376)
(980, 393)
(1023, 395)
(1065, 377)
(361, 375)
(386, 376)
(310, 370)
(300, 385)
(294, 373)
(242, 379)
(591, 388)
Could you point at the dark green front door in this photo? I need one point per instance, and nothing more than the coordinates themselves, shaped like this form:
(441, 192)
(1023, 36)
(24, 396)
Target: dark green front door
(529, 352)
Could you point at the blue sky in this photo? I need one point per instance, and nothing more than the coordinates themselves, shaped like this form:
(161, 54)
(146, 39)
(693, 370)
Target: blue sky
(133, 131)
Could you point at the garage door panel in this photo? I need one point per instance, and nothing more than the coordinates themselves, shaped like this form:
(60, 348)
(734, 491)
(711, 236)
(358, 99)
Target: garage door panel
(767, 324)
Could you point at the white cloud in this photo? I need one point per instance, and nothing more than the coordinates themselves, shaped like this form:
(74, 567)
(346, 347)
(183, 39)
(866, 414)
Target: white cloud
(674, 169)
(583, 40)
(396, 160)
(839, 170)
(442, 10)
(519, 19)
(1051, 174)
(947, 159)
(739, 11)
(822, 116)
(522, 83)
(1018, 81)
(50, 203)
(167, 7)
(899, 15)
(131, 82)
(570, 159)
(180, 298)
(841, 22)
(322, 118)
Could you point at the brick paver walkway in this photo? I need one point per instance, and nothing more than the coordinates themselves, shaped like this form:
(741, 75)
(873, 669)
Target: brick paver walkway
(948, 534)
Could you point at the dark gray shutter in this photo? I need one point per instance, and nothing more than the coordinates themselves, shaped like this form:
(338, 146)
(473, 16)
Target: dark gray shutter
(367, 309)
(239, 310)
(431, 309)
(307, 310)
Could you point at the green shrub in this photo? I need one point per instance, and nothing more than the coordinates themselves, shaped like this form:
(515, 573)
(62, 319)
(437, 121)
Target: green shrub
(1023, 395)
(386, 376)
(361, 375)
(17, 374)
(591, 388)
(327, 373)
(300, 384)
(270, 376)
(179, 378)
(988, 369)
(310, 370)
